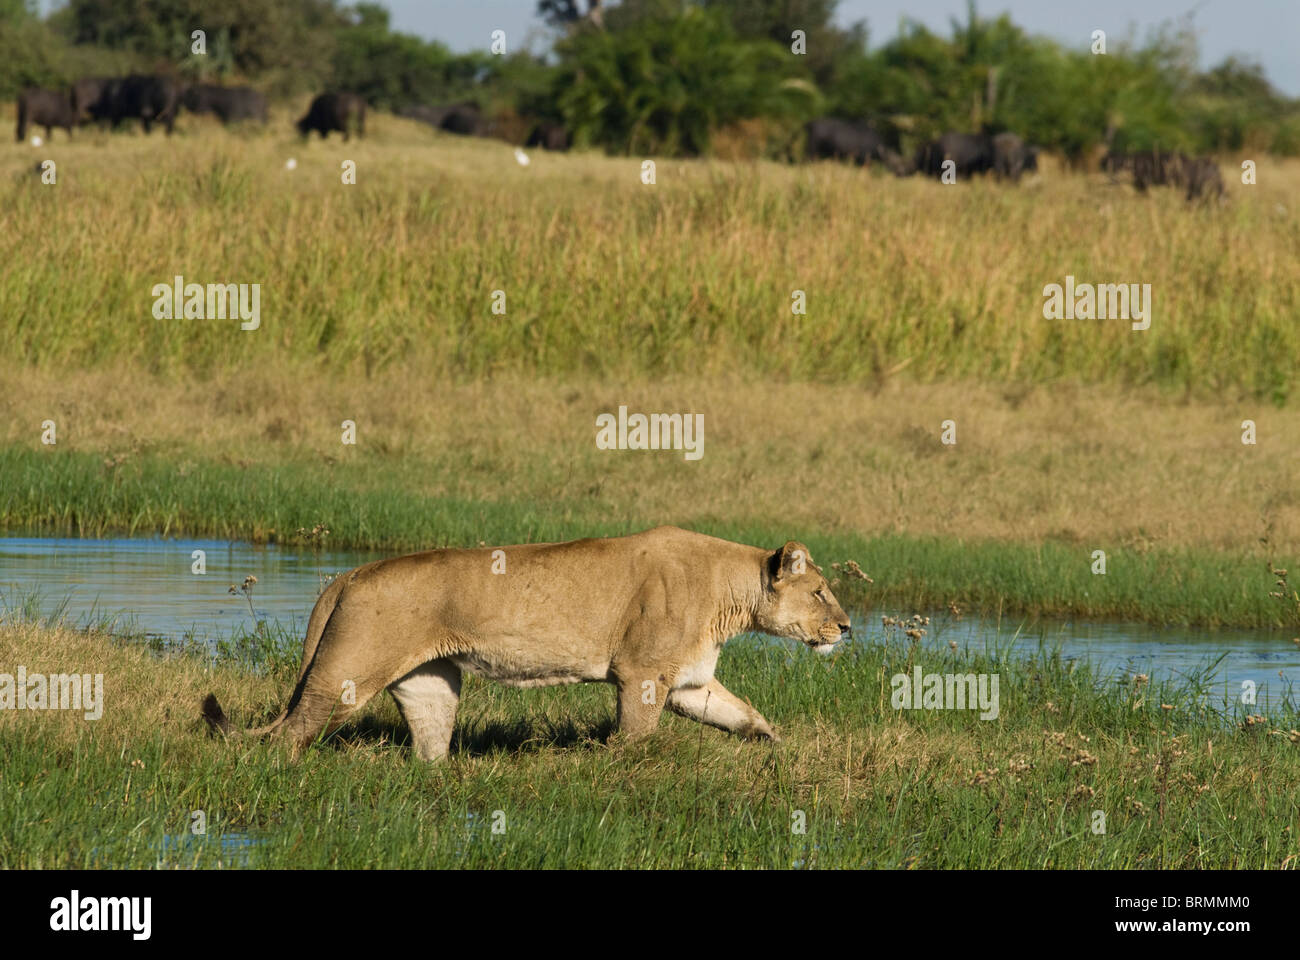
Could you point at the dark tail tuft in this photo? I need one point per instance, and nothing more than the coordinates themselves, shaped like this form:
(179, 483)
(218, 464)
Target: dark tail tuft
(214, 715)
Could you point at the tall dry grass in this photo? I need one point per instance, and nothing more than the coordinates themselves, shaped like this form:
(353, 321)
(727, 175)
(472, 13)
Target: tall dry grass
(606, 276)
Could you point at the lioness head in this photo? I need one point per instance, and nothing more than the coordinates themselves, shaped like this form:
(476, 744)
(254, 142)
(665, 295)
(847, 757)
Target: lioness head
(797, 601)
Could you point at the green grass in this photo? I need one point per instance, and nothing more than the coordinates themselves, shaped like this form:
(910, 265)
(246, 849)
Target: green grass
(1181, 787)
(75, 494)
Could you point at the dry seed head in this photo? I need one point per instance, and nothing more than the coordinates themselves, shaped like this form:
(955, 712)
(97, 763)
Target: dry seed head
(852, 570)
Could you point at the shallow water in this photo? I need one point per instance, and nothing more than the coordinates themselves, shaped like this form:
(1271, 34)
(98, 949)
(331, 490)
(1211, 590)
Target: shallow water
(147, 586)
(228, 849)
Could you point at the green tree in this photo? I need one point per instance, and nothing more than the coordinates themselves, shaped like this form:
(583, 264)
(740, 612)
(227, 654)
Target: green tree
(664, 87)
(287, 44)
(392, 70)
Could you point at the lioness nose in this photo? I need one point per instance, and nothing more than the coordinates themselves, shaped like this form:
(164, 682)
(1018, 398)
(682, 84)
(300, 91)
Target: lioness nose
(846, 632)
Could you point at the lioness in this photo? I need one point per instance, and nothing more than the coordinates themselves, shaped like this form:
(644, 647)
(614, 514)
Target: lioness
(648, 613)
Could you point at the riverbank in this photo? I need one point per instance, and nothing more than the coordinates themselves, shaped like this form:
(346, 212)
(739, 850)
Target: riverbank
(532, 780)
(1007, 519)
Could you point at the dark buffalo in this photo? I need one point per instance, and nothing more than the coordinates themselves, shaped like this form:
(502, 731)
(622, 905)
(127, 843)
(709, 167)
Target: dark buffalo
(92, 99)
(1012, 157)
(549, 136)
(228, 104)
(1114, 162)
(971, 153)
(1201, 174)
(462, 118)
(334, 111)
(1153, 168)
(832, 139)
(1150, 168)
(150, 99)
(44, 108)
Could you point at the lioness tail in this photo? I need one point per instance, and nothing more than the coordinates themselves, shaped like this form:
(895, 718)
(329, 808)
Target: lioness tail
(214, 715)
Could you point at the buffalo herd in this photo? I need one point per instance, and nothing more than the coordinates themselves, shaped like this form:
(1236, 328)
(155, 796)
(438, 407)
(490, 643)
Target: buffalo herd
(1005, 155)
(343, 112)
(108, 101)
(1198, 176)
(156, 99)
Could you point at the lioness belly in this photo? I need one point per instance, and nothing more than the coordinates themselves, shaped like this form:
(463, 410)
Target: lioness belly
(518, 668)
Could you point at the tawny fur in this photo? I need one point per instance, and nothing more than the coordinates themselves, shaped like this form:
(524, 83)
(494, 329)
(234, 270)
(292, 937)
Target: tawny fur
(647, 612)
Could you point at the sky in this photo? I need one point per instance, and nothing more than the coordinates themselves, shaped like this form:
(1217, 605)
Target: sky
(1266, 31)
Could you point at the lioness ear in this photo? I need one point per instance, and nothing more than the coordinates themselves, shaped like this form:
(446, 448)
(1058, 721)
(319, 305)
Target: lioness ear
(790, 561)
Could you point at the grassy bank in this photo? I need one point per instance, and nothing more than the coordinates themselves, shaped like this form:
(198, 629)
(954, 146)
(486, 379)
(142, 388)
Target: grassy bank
(81, 498)
(1005, 520)
(1179, 785)
(605, 276)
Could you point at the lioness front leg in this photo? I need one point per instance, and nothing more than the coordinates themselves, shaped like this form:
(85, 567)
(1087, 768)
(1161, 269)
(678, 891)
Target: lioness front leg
(717, 706)
(640, 701)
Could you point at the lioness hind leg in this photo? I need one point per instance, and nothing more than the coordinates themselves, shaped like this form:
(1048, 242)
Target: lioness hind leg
(427, 697)
(717, 706)
(317, 712)
(327, 696)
